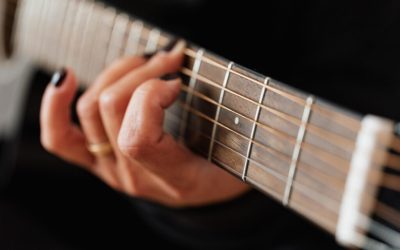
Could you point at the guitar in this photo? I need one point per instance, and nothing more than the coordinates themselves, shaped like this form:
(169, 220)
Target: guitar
(332, 166)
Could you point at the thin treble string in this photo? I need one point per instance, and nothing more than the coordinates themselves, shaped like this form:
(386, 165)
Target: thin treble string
(267, 148)
(382, 210)
(327, 201)
(355, 124)
(273, 151)
(274, 131)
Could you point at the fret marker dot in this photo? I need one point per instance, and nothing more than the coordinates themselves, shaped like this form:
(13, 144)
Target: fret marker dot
(237, 120)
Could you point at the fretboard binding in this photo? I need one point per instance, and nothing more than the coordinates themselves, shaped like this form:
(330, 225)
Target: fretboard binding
(220, 100)
(253, 129)
(296, 151)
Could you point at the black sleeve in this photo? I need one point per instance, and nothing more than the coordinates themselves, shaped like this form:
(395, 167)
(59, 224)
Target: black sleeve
(248, 222)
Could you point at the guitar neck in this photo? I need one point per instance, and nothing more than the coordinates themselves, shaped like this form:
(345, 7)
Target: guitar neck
(289, 144)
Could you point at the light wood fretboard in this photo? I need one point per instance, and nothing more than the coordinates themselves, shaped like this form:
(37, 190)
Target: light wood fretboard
(286, 143)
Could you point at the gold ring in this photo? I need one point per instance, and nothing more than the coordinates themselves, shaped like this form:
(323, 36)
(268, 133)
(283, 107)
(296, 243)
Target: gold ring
(100, 149)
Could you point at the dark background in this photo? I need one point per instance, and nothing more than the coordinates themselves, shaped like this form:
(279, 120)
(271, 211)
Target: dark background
(344, 51)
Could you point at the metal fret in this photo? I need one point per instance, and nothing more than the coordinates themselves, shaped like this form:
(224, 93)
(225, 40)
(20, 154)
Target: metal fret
(96, 26)
(86, 44)
(296, 151)
(253, 129)
(67, 32)
(117, 38)
(189, 96)
(152, 41)
(221, 98)
(134, 38)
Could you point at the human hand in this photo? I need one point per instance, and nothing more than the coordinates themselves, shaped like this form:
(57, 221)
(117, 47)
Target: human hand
(125, 108)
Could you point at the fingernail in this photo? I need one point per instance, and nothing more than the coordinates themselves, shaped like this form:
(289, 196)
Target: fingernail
(58, 78)
(149, 55)
(167, 48)
(169, 77)
(170, 45)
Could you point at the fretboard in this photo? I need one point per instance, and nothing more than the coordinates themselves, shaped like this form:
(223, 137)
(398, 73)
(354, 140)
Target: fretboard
(285, 142)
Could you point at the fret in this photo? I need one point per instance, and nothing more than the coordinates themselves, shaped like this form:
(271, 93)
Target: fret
(67, 32)
(36, 8)
(192, 85)
(79, 48)
(296, 151)
(41, 29)
(94, 49)
(221, 98)
(253, 130)
(134, 38)
(56, 23)
(117, 38)
(24, 16)
(104, 31)
(152, 41)
(86, 44)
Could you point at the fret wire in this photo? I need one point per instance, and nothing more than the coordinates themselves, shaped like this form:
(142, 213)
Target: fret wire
(152, 41)
(24, 14)
(135, 35)
(296, 151)
(67, 30)
(114, 45)
(42, 29)
(307, 146)
(39, 8)
(323, 110)
(344, 142)
(269, 109)
(253, 129)
(192, 85)
(271, 150)
(87, 40)
(301, 187)
(355, 124)
(279, 176)
(221, 98)
(338, 161)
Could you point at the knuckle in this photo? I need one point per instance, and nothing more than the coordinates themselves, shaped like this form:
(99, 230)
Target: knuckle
(109, 101)
(136, 148)
(87, 106)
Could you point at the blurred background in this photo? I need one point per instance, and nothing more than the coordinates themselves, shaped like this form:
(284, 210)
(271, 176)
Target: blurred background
(345, 51)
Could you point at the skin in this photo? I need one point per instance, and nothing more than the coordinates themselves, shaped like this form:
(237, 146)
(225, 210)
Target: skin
(125, 106)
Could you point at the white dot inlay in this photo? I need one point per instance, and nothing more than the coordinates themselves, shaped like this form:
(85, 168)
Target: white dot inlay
(237, 120)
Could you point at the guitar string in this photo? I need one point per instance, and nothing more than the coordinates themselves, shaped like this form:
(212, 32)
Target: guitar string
(272, 130)
(327, 201)
(381, 211)
(265, 107)
(273, 151)
(299, 100)
(301, 187)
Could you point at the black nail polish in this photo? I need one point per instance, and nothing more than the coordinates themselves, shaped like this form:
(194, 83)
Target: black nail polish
(170, 45)
(149, 55)
(169, 77)
(58, 78)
